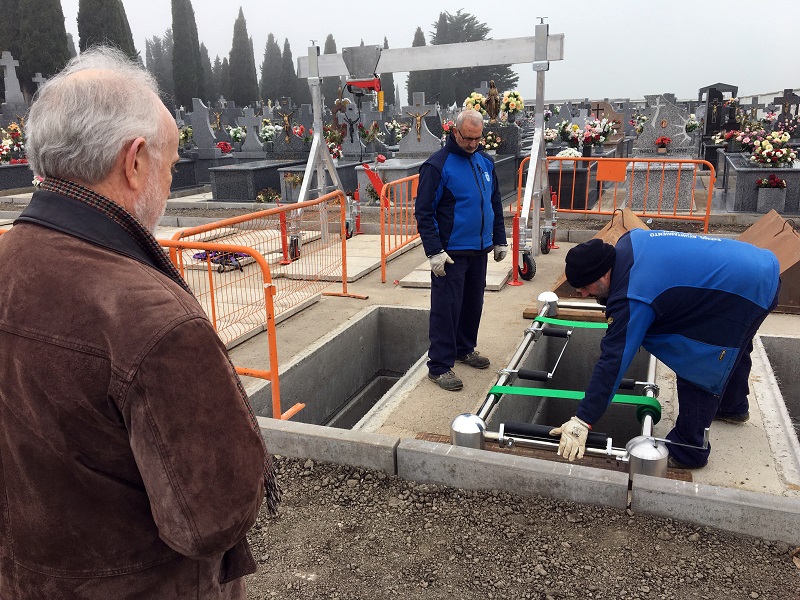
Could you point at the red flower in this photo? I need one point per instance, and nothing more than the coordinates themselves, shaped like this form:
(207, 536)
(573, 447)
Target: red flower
(225, 147)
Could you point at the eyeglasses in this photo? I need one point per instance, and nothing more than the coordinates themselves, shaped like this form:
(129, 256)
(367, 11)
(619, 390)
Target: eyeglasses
(469, 139)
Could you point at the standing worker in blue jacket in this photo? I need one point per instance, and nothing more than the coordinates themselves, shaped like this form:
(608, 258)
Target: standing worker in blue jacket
(460, 220)
(694, 302)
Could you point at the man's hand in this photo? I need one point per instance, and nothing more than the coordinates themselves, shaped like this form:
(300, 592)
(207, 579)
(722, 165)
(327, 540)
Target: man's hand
(500, 252)
(438, 262)
(573, 438)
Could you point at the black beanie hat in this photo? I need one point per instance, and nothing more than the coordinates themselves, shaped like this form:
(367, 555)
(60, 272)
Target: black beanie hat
(588, 262)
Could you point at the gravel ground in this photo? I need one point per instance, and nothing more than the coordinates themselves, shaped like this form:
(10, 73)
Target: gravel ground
(345, 533)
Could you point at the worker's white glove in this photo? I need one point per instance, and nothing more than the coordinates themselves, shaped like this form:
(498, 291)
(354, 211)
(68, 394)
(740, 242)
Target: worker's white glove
(500, 252)
(438, 262)
(573, 438)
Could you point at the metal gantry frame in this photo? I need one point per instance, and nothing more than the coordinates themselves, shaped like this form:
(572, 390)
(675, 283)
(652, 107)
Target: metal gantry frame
(538, 50)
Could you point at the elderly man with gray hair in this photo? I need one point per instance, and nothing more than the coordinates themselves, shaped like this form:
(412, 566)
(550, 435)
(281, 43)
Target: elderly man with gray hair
(132, 466)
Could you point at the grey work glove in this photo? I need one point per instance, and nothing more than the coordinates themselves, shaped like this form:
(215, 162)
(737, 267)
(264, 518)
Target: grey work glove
(573, 438)
(438, 262)
(500, 252)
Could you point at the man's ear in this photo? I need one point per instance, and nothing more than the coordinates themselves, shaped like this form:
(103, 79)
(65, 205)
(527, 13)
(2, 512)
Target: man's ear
(133, 163)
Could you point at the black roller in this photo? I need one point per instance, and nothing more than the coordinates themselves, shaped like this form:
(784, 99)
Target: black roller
(555, 332)
(542, 433)
(627, 384)
(532, 375)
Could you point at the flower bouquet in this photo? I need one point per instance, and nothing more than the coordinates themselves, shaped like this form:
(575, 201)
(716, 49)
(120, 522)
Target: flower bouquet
(237, 133)
(304, 134)
(268, 195)
(663, 141)
(476, 101)
(569, 132)
(269, 131)
(549, 113)
(597, 131)
(225, 147)
(769, 118)
(551, 135)
(774, 151)
(748, 138)
(773, 181)
(692, 124)
(397, 129)
(512, 103)
(637, 121)
(12, 145)
(335, 150)
(569, 153)
(491, 141)
(186, 135)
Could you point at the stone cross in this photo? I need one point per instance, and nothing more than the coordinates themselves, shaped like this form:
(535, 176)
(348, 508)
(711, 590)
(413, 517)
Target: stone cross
(754, 108)
(252, 126)
(483, 89)
(13, 91)
(713, 111)
(179, 118)
(431, 116)
(786, 102)
(38, 80)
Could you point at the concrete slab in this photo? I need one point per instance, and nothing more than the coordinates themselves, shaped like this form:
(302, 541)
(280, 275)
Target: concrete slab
(467, 468)
(341, 446)
(497, 275)
(749, 513)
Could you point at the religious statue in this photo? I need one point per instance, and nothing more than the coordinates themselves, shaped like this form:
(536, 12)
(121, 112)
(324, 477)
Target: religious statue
(493, 102)
(287, 124)
(340, 106)
(418, 122)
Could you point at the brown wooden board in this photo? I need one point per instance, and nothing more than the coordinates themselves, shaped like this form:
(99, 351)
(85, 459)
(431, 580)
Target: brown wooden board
(775, 233)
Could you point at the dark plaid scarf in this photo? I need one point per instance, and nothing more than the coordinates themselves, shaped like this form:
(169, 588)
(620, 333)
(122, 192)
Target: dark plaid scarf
(152, 249)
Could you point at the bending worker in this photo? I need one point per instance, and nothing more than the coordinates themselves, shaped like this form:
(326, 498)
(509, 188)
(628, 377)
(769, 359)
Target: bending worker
(460, 220)
(694, 302)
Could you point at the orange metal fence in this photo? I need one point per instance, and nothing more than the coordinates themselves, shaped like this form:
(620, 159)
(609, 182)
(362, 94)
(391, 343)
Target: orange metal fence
(304, 244)
(398, 223)
(235, 288)
(649, 187)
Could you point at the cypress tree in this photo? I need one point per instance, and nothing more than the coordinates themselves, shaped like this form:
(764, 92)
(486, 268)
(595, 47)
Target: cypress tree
(243, 82)
(417, 80)
(42, 40)
(387, 81)
(187, 66)
(330, 85)
(104, 22)
(225, 79)
(9, 27)
(270, 70)
(208, 76)
(287, 79)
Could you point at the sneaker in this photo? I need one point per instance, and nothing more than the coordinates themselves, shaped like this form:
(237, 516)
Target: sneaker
(732, 418)
(474, 360)
(674, 464)
(447, 381)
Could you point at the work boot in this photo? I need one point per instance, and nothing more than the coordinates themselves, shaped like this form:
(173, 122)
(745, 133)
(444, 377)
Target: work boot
(732, 418)
(447, 381)
(674, 464)
(474, 360)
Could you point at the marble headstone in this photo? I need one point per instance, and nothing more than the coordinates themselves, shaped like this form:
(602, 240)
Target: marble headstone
(668, 120)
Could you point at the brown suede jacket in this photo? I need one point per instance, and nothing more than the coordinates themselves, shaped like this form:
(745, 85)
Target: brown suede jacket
(129, 465)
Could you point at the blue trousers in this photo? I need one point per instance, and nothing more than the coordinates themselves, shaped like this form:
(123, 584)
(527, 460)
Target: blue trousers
(456, 308)
(697, 408)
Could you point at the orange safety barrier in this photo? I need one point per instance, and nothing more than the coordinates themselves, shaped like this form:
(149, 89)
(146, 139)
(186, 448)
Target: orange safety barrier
(398, 223)
(304, 243)
(649, 187)
(228, 287)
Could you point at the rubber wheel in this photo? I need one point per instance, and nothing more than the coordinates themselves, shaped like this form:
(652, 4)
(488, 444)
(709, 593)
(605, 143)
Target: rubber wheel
(545, 247)
(528, 268)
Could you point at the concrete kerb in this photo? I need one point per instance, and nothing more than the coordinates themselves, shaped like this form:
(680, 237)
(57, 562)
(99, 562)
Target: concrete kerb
(773, 518)
(738, 511)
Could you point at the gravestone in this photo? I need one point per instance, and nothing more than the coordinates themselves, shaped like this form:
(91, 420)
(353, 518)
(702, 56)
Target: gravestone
(604, 110)
(179, 121)
(666, 119)
(252, 126)
(483, 89)
(38, 80)
(431, 113)
(14, 106)
(786, 102)
(202, 133)
(352, 146)
(420, 141)
(305, 116)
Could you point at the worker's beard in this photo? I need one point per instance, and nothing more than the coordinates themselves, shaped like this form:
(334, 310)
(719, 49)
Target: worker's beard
(602, 293)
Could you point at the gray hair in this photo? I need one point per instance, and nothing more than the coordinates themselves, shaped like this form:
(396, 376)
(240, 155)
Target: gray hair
(78, 124)
(469, 114)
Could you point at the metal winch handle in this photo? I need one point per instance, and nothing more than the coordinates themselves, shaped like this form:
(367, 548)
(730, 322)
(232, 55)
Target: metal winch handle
(542, 433)
(666, 441)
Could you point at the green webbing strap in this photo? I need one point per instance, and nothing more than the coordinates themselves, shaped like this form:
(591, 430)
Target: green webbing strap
(642, 403)
(562, 322)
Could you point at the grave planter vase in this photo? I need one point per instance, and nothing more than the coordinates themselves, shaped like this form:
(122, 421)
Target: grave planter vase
(587, 151)
(661, 150)
(771, 198)
(598, 149)
(491, 152)
(512, 116)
